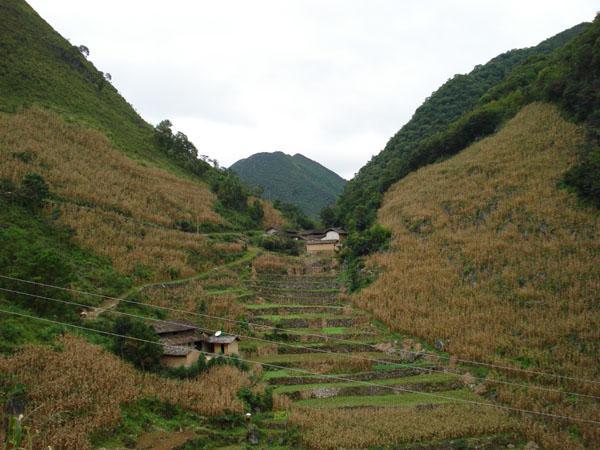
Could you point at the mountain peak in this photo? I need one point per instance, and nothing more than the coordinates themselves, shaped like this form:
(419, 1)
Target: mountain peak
(291, 179)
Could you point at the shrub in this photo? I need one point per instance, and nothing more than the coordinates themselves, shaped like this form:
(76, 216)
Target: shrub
(281, 244)
(145, 355)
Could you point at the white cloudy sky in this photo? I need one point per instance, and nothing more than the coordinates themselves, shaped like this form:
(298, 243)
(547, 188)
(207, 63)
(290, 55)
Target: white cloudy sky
(331, 79)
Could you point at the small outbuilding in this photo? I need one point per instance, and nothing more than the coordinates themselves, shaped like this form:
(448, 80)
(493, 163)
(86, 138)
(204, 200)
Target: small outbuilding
(225, 345)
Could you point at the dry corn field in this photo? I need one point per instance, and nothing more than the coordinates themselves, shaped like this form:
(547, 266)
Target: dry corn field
(192, 297)
(490, 256)
(118, 207)
(378, 427)
(272, 217)
(161, 250)
(79, 389)
(273, 264)
(80, 164)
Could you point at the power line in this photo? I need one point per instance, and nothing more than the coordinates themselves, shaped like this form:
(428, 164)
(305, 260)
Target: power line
(314, 349)
(291, 331)
(335, 377)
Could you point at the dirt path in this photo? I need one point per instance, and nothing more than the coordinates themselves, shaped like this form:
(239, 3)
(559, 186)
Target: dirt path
(112, 303)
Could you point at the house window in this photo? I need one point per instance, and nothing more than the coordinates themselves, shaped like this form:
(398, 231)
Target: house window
(222, 348)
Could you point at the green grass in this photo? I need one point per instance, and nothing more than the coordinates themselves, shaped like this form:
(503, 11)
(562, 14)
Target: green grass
(334, 330)
(271, 374)
(144, 416)
(392, 400)
(278, 317)
(17, 331)
(417, 379)
(318, 357)
(296, 306)
(392, 366)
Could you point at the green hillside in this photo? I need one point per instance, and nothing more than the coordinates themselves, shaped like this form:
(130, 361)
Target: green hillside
(39, 68)
(291, 179)
(444, 115)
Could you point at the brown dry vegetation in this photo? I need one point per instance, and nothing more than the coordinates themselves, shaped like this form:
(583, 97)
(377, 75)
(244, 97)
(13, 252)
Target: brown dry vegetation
(79, 389)
(189, 296)
(272, 217)
(163, 251)
(129, 207)
(369, 427)
(80, 164)
(271, 263)
(491, 256)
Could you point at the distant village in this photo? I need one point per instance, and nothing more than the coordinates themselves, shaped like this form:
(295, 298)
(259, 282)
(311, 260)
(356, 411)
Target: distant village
(325, 240)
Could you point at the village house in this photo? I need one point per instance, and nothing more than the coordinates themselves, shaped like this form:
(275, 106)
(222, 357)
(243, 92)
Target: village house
(225, 345)
(181, 340)
(327, 240)
(184, 343)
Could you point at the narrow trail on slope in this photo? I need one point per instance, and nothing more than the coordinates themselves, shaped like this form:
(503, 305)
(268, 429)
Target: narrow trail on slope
(112, 303)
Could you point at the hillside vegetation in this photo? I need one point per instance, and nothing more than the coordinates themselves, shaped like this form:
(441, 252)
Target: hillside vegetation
(291, 179)
(40, 67)
(80, 389)
(117, 207)
(491, 257)
(450, 119)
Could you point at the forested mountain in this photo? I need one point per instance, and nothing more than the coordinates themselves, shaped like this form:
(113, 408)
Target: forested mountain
(443, 117)
(291, 179)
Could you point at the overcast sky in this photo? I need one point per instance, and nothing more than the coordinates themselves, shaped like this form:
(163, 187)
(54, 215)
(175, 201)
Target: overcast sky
(331, 79)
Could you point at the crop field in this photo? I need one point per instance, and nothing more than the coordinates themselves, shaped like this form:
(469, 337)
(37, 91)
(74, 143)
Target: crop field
(515, 263)
(134, 220)
(79, 388)
(357, 373)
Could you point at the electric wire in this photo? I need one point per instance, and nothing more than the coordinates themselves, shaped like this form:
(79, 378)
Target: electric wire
(291, 331)
(335, 377)
(313, 349)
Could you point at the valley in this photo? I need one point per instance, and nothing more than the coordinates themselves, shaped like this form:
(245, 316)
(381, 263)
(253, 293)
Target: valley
(445, 297)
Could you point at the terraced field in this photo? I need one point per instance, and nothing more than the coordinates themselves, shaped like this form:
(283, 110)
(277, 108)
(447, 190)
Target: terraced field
(329, 359)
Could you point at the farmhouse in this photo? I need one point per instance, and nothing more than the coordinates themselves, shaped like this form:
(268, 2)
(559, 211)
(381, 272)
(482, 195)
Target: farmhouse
(225, 345)
(181, 340)
(327, 240)
(184, 343)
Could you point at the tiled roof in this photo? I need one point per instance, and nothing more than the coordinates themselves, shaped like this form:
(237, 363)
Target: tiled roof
(221, 339)
(172, 326)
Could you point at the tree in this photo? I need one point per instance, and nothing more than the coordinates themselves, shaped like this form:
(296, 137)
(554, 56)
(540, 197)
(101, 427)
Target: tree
(33, 191)
(230, 191)
(327, 216)
(256, 211)
(84, 50)
(143, 354)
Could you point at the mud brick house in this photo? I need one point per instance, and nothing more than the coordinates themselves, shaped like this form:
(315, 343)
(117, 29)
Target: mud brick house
(182, 342)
